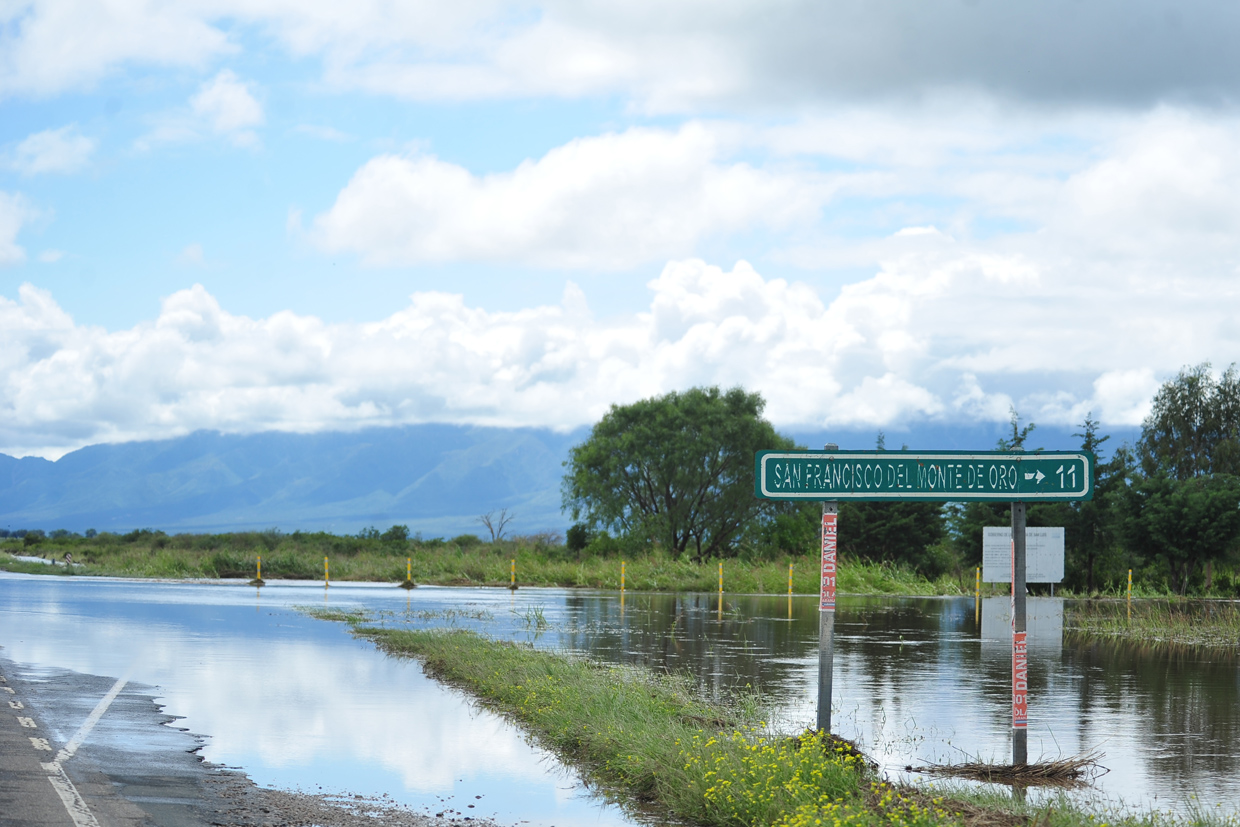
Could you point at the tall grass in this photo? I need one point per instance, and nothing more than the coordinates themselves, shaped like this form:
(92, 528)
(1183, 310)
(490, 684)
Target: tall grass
(467, 563)
(1209, 623)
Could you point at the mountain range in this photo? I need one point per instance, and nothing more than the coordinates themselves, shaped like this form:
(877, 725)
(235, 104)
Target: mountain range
(437, 479)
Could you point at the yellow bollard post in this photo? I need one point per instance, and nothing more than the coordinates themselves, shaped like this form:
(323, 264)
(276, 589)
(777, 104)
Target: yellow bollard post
(977, 585)
(721, 580)
(260, 568)
(1130, 594)
(327, 580)
(408, 585)
(513, 571)
(790, 580)
(621, 577)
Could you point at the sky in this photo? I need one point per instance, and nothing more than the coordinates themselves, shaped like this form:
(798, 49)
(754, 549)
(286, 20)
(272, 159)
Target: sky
(268, 215)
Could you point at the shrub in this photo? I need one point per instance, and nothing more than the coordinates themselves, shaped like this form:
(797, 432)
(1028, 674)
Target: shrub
(396, 534)
(577, 538)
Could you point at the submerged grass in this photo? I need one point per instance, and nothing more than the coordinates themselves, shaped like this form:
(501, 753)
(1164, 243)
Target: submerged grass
(1159, 623)
(654, 739)
(300, 557)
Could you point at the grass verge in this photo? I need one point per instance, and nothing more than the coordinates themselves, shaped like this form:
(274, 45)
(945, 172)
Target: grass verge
(652, 742)
(300, 557)
(656, 741)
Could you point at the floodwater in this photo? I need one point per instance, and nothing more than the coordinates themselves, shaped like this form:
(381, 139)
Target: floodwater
(297, 703)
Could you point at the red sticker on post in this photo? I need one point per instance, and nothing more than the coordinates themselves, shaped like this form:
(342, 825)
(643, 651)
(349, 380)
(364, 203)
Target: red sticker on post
(1020, 681)
(827, 596)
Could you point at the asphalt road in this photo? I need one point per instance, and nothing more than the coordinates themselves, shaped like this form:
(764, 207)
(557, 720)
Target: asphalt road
(90, 751)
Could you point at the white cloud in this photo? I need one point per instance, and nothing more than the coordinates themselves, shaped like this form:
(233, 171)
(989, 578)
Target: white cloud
(14, 212)
(223, 106)
(660, 55)
(611, 201)
(51, 256)
(53, 150)
(922, 339)
(50, 46)
(226, 104)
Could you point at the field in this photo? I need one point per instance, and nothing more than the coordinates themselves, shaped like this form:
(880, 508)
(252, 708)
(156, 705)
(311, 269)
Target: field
(461, 562)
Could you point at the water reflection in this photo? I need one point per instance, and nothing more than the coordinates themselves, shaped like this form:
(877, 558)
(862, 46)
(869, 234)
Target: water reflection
(928, 680)
(917, 680)
(293, 701)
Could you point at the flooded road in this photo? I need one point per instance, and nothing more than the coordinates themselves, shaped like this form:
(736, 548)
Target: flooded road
(296, 702)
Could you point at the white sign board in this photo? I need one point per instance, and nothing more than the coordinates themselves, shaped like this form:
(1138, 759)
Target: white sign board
(1043, 555)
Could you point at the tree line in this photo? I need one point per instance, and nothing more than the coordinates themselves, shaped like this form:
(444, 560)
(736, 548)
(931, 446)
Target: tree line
(677, 471)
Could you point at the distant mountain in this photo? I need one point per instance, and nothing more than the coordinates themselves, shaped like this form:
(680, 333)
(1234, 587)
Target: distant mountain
(436, 479)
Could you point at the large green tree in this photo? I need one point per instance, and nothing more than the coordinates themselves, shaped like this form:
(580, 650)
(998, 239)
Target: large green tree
(1186, 524)
(676, 468)
(1194, 425)
(1092, 527)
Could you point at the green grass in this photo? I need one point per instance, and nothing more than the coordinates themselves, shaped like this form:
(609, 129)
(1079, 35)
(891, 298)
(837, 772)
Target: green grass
(654, 742)
(297, 556)
(1203, 623)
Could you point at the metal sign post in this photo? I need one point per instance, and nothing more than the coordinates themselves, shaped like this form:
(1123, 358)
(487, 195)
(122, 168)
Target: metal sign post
(826, 612)
(831, 475)
(1020, 647)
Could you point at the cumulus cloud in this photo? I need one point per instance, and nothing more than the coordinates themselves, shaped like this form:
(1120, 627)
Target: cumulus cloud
(49, 46)
(963, 337)
(226, 104)
(611, 201)
(661, 55)
(14, 212)
(223, 106)
(53, 150)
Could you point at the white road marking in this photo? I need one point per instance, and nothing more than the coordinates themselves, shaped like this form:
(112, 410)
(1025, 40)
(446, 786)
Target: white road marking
(28, 723)
(16, 705)
(75, 805)
(8, 689)
(78, 737)
(40, 743)
(73, 801)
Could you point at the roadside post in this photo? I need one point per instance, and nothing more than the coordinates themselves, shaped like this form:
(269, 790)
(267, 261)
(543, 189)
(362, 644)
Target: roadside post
(621, 577)
(1020, 646)
(327, 578)
(1014, 477)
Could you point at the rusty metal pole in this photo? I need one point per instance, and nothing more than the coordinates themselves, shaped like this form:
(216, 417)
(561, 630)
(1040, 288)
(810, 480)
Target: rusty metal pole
(1020, 647)
(826, 607)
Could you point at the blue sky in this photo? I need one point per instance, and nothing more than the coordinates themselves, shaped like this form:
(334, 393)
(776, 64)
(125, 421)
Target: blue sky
(320, 216)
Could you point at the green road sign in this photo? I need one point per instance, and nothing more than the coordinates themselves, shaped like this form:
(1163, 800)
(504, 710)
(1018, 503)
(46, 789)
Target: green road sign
(924, 475)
